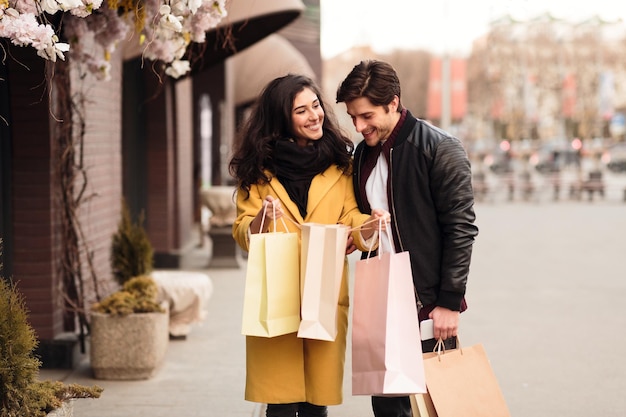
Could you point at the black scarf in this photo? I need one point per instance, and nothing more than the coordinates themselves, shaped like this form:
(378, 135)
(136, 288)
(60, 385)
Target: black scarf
(295, 168)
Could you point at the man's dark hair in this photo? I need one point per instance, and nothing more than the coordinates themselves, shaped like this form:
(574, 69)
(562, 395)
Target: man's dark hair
(375, 80)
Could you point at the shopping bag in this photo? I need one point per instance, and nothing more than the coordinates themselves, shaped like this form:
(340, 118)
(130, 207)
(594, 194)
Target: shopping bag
(461, 382)
(422, 406)
(271, 305)
(386, 345)
(323, 253)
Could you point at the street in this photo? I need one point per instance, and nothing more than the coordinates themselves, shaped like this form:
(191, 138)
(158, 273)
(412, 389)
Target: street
(545, 298)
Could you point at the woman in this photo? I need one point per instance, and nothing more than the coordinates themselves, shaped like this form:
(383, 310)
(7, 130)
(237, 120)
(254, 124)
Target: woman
(293, 161)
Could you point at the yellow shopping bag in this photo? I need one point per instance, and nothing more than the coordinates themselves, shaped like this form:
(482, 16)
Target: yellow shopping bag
(271, 305)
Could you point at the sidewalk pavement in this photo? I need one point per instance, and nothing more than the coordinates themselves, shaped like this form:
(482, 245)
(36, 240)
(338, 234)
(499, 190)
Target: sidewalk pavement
(545, 293)
(202, 376)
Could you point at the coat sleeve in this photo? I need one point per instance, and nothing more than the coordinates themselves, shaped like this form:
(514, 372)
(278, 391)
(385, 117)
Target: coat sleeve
(247, 209)
(352, 216)
(452, 192)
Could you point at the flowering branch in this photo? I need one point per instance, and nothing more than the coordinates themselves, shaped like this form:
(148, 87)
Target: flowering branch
(166, 28)
(174, 25)
(20, 22)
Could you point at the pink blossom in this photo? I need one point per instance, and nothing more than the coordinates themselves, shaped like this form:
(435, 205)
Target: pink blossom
(24, 6)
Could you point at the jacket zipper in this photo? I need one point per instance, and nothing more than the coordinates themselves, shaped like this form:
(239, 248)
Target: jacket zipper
(392, 207)
(358, 177)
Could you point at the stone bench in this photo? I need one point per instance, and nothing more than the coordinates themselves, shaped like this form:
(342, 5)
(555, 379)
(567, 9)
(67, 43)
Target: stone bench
(188, 294)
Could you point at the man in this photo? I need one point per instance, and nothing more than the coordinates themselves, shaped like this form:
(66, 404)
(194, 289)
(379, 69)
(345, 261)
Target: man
(422, 176)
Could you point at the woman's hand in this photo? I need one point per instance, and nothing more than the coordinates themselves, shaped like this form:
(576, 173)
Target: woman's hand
(350, 246)
(271, 209)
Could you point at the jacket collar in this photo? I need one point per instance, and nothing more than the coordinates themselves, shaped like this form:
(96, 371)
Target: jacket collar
(405, 129)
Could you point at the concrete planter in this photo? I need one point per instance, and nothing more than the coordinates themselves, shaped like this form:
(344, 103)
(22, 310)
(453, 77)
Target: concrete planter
(128, 348)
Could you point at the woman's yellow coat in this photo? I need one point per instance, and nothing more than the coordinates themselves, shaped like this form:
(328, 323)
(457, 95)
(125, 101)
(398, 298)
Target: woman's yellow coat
(287, 369)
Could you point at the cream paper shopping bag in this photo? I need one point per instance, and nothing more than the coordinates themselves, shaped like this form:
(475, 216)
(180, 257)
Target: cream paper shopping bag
(323, 254)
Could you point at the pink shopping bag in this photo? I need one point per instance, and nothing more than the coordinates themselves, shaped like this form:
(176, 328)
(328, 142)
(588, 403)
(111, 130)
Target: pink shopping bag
(386, 346)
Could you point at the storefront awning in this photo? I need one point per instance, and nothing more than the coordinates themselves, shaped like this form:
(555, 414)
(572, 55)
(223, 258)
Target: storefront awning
(248, 22)
(254, 67)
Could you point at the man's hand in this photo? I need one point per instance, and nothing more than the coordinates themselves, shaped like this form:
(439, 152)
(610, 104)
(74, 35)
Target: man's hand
(445, 322)
(378, 219)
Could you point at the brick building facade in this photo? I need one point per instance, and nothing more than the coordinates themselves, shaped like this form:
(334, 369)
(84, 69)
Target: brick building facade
(140, 145)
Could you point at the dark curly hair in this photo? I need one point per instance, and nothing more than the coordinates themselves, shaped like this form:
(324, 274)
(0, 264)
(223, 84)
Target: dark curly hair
(270, 121)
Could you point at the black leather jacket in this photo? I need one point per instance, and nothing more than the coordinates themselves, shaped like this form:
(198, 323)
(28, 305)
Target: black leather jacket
(432, 209)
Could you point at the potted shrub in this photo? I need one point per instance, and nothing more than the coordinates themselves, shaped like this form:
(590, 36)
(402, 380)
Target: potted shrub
(129, 328)
(132, 254)
(21, 393)
(129, 332)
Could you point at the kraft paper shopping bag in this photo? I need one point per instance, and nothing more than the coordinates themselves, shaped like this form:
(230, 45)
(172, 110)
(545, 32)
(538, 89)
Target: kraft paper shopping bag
(271, 305)
(386, 345)
(323, 253)
(422, 406)
(461, 382)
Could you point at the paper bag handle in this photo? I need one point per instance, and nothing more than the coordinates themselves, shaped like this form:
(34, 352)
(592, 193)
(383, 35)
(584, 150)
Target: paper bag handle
(440, 347)
(274, 213)
(380, 231)
(363, 224)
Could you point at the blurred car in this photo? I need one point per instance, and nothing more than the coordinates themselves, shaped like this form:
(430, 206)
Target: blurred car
(499, 161)
(501, 166)
(616, 158)
(547, 160)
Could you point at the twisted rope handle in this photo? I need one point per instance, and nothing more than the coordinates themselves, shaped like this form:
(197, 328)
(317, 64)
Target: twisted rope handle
(292, 221)
(440, 347)
(363, 224)
(352, 229)
(380, 232)
(274, 213)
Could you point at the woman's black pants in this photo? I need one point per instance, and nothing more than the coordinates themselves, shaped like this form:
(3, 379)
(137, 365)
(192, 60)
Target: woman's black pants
(296, 409)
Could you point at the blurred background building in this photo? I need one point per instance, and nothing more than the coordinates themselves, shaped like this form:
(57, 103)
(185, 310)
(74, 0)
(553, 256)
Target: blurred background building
(530, 85)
